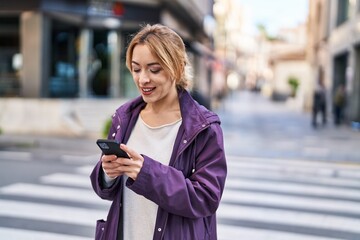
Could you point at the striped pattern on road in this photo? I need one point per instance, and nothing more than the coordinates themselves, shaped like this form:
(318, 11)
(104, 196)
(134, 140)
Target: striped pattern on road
(6, 233)
(228, 232)
(62, 206)
(275, 199)
(51, 192)
(10, 155)
(48, 212)
(290, 199)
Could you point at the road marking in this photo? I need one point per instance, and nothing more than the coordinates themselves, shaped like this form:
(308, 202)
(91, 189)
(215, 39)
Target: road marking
(239, 174)
(285, 145)
(52, 213)
(72, 159)
(67, 179)
(291, 167)
(226, 232)
(85, 170)
(21, 156)
(294, 188)
(310, 203)
(284, 195)
(315, 152)
(236, 160)
(290, 218)
(20, 234)
(51, 192)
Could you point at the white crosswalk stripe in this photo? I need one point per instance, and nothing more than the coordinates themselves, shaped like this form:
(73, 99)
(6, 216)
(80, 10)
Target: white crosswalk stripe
(59, 200)
(277, 199)
(7, 233)
(10, 155)
(314, 204)
(66, 179)
(290, 199)
(48, 212)
(71, 159)
(227, 232)
(51, 192)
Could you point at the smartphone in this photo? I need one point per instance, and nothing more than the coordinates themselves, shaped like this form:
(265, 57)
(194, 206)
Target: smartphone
(111, 147)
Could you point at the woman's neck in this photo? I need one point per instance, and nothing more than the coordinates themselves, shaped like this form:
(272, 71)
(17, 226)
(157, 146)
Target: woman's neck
(156, 114)
(168, 104)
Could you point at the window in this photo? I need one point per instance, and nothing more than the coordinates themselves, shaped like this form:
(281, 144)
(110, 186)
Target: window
(342, 11)
(10, 57)
(64, 79)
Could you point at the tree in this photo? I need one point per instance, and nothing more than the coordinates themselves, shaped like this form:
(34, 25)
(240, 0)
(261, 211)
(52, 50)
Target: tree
(294, 84)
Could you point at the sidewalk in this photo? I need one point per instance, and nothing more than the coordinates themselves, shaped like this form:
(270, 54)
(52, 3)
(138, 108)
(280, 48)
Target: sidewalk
(256, 126)
(75, 145)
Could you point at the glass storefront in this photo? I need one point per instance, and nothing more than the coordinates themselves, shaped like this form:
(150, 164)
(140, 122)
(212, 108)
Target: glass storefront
(10, 57)
(71, 53)
(64, 51)
(63, 73)
(127, 85)
(99, 66)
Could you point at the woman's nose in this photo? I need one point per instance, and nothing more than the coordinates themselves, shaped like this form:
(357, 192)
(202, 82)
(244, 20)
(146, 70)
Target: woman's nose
(144, 78)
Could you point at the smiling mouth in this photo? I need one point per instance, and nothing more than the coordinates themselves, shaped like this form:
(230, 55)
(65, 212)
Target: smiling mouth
(147, 91)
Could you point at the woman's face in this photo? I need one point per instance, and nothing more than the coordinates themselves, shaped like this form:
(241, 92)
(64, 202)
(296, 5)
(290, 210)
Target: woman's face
(150, 77)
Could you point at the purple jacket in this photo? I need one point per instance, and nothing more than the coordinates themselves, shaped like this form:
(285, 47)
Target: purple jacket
(188, 191)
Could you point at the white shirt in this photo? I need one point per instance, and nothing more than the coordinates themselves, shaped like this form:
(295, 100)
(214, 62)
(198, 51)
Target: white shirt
(156, 143)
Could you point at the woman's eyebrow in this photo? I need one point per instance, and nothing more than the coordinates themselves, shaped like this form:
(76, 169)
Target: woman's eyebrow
(154, 63)
(149, 64)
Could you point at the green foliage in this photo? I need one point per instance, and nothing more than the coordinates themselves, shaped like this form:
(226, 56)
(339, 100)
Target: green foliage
(294, 85)
(106, 128)
(0, 131)
(263, 31)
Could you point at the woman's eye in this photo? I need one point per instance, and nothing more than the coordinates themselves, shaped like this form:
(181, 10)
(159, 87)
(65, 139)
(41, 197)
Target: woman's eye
(136, 70)
(155, 70)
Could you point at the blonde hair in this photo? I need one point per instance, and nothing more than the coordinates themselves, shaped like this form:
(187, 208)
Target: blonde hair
(168, 47)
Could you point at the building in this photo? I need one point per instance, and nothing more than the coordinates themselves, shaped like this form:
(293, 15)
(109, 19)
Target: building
(289, 63)
(58, 56)
(61, 48)
(334, 46)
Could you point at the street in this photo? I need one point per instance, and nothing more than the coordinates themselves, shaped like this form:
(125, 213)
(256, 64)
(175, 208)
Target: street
(45, 191)
(285, 181)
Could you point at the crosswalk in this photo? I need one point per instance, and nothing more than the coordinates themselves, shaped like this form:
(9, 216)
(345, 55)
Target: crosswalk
(59, 206)
(264, 198)
(288, 199)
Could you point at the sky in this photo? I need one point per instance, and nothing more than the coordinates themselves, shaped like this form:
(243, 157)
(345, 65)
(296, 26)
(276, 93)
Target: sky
(274, 14)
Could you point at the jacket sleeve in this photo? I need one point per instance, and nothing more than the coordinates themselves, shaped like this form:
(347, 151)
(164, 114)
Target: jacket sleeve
(196, 196)
(98, 186)
(96, 176)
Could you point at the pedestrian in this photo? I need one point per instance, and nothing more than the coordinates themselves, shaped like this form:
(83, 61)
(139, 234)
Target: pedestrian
(339, 102)
(171, 186)
(319, 101)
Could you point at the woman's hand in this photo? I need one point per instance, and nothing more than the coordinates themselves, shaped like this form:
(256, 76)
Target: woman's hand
(111, 166)
(115, 167)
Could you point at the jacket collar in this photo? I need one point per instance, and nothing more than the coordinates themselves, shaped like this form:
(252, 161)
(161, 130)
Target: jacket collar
(194, 116)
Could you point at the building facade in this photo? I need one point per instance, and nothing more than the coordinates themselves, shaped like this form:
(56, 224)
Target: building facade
(334, 48)
(76, 49)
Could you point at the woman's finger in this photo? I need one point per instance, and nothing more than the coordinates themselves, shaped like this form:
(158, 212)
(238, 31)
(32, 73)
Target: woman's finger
(108, 158)
(132, 153)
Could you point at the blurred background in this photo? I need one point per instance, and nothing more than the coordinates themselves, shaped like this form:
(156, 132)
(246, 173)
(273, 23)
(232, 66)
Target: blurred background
(283, 76)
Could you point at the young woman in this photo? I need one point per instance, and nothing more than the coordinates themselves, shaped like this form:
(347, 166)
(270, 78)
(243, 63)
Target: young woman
(171, 186)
